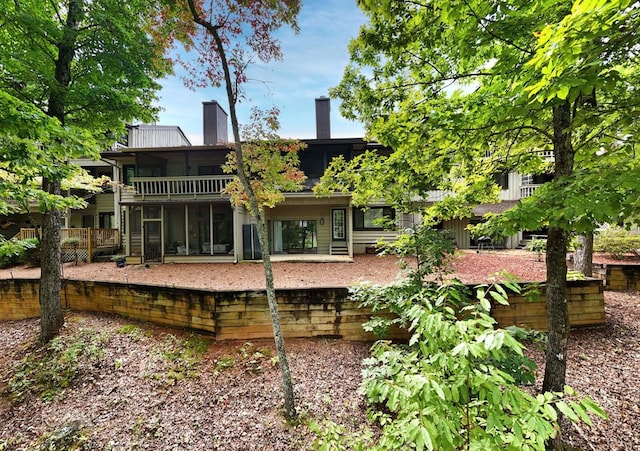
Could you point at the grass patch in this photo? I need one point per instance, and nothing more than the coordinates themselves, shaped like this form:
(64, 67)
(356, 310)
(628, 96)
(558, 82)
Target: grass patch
(46, 371)
(133, 331)
(178, 358)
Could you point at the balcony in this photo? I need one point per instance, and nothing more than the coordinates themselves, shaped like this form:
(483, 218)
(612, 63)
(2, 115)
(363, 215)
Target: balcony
(180, 187)
(527, 190)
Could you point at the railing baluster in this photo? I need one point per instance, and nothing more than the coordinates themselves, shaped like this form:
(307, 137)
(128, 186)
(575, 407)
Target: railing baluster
(183, 186)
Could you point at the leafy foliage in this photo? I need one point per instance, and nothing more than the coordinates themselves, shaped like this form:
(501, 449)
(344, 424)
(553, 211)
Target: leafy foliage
(270, 162)
(432, 249)
(113, 81)
(13, 251)
(245, 34)
(73, 73)
(617, 242)
(455, 385)
(34, 146)
(436, 95)
(539, 246)
(462, 90)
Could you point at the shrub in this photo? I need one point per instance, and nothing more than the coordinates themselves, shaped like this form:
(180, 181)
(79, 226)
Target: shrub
(431, 249)
(455, 384)
(617, 242)
(14, 251)
(538, 246)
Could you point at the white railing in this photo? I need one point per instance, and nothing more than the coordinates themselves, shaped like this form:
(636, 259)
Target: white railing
(546, 154)
(527, 190)
(180, 186)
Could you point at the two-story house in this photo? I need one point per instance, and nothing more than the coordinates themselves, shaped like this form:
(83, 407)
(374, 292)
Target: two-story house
(168, 204)
(171, 207)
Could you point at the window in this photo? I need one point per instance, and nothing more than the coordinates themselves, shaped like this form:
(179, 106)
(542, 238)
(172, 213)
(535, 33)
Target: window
(294, 237)
(128, 172)
(369, 219)
(501, 179)
(106, 220)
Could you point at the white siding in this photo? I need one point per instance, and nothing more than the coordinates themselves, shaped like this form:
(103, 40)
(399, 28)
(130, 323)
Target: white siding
(157, 136)
(104, 202)
(513, 192)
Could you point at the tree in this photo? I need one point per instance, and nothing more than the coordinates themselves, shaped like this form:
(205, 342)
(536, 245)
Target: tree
(90, 66)
(457, 366)
(227, 35)
(583, 254)
(465, 89)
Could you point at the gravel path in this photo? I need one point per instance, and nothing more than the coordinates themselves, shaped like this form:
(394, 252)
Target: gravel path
(470, 267)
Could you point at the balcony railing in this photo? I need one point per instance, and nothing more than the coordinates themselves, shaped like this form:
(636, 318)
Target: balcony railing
(180, 186)
(527, 190)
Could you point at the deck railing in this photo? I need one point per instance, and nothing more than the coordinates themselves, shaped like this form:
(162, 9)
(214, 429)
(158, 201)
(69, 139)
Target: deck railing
(90, 240)
(527, 190)
(180, 186)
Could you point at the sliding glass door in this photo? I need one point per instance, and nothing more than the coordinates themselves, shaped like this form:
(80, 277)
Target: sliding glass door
(295, 236)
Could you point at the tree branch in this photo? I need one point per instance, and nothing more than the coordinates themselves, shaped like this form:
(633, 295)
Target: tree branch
(491, 33)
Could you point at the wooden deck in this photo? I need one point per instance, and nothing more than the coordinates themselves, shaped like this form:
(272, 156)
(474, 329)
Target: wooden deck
(91, 242)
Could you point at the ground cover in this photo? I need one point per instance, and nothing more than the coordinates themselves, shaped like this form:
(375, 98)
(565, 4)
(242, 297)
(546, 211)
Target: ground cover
(139, 386)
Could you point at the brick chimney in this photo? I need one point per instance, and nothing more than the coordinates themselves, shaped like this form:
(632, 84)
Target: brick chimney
(214, 124)
(323, 117)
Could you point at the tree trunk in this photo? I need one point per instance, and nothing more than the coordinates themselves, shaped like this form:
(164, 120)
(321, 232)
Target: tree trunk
(557, 309)
(51, 317)
(257, 212)
(285, 372)
(557, 312)
(583, 255)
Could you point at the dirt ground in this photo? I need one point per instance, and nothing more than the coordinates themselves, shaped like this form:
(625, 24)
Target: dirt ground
(137, 395)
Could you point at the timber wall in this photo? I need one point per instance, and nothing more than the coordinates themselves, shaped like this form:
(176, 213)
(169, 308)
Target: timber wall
(618, 277)
(304, 313)
(585, 299)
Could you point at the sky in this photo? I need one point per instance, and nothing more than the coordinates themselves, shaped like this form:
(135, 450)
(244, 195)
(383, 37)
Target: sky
(313, 62)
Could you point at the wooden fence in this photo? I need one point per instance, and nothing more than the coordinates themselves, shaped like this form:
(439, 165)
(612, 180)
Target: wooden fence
(90, 242)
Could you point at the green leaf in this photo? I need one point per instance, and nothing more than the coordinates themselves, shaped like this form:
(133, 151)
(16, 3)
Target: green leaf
(485, 304)
(563, 92)
(580, 411)
(567, 411)
(551, 412)
(591, 406)
(499, 297)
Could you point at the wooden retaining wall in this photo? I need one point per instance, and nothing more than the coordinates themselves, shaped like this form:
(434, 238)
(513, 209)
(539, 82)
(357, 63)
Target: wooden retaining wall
(618, 277)
(304, 313)
(586, 307)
